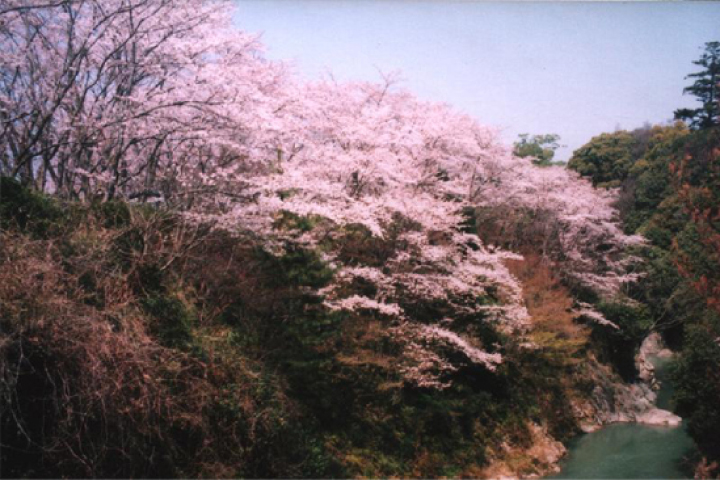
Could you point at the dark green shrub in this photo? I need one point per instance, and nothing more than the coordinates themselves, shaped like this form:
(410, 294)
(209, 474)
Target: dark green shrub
(29, 211)
(147, 279)
(356, 245)
(171, 321)
(619, 346)
(112, 214)
(292, 221)
(697, 385)
(298, 267)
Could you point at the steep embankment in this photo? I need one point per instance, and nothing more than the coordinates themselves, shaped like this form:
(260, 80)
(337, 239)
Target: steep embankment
(219, 355)
(127, 329)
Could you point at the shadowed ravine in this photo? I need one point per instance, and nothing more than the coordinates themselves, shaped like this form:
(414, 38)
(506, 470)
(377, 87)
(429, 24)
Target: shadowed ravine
(630, 450)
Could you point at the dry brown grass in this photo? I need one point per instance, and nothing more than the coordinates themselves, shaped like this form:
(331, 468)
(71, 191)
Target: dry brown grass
(548, 301)
(85, 386)
(87, 390)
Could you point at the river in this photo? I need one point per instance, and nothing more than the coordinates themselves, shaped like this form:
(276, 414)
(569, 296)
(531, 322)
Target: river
(631, 450)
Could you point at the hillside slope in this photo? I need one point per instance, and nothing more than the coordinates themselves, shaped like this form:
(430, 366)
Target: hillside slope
(128, 330)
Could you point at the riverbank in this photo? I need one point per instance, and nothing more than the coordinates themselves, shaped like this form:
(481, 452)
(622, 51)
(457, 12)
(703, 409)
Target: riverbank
(654, 444)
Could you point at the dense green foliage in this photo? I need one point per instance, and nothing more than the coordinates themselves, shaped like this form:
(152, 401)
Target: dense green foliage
(697, 383)
(670, 192)
(606, 159)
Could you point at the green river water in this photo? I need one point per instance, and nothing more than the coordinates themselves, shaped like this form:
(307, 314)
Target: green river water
(628, 450)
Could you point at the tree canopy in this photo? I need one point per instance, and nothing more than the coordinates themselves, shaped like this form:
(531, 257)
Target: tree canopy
(605, 159)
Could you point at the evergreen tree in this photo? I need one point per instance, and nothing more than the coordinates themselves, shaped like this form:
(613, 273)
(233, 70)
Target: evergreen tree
(541, 148)
(706, 88)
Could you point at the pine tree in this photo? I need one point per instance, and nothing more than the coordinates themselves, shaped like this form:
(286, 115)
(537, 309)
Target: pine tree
(706, 88)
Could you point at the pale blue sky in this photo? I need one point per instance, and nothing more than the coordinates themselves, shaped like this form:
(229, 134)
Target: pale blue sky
(576, 69)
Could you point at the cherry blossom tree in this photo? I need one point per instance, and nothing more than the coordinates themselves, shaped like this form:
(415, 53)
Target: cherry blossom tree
(372, 155)
(118, 97)
(143, 99)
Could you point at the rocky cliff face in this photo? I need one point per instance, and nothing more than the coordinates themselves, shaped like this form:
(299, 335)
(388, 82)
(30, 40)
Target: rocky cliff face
(612, 400)
(652, 346)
